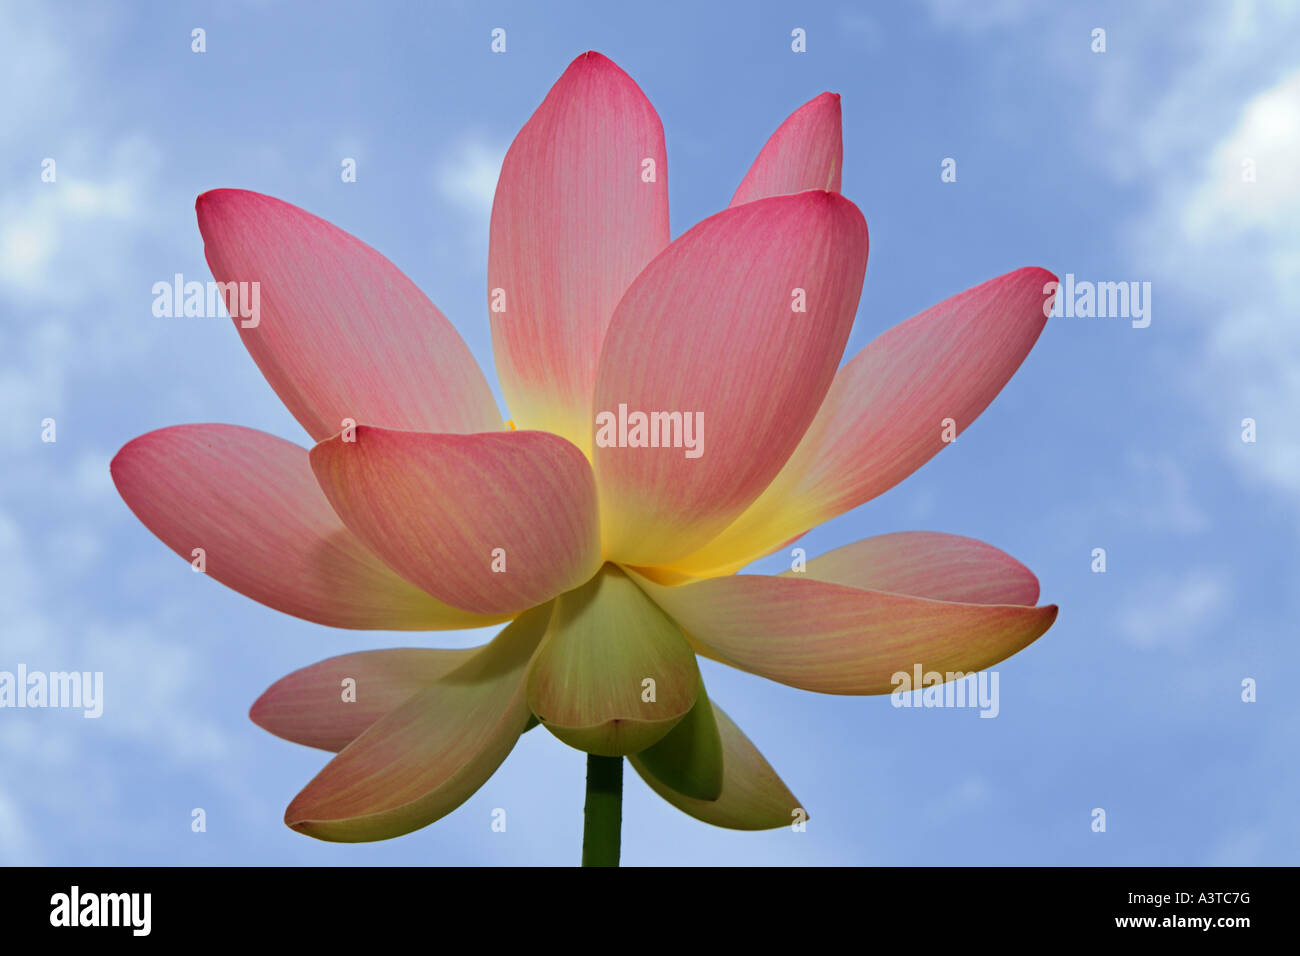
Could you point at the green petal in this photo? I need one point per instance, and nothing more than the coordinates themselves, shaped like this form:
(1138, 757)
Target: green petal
(753, 797)
(689, 759)
(613, 674)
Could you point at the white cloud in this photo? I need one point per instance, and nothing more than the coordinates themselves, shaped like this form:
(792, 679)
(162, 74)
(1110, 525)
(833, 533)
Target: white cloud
(1232, 247)
(150, 685)
(70, 281)
(1174, 611)
(1182, 96)
(31, 59)
(468, 176)
(1268, 135)
(147, 679)
(961, 798)
(977, 16)
(26, 626)
(15, 834)
(147, 685)
(863, 28)
(57, 238)
(1163, 500)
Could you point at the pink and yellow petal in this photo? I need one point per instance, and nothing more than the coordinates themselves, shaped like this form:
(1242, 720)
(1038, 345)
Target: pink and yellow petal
(581, 206)
(493, 523)
(246, 505)
(331, 703)
(338, 330)
(895, 405)
(929, 564)
(834, 639)
(429, 755)
(738, 328)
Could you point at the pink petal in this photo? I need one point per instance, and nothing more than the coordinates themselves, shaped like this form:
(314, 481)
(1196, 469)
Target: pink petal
(341, 332)
(943, 567)
(806, 152)
(311, 705)
(709, 329)
(573, 223)
(842, 640)
(249, 500)
(885, 414)
(429, 755)
(444, 510)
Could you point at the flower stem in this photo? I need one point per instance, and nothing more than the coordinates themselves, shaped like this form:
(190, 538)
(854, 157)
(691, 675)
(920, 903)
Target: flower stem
(602, 817)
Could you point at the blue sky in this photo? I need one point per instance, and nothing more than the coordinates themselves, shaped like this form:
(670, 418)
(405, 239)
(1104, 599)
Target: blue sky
(1115, 166)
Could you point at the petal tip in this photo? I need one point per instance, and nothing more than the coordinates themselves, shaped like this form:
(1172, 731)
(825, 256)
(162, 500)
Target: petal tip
(300, 817)
(1038, 275)
(257, 713)
(296, 820)
(207, 202)
(214, 209)
(121, 468)
(204, 198)
(595, 60)
(116, 465)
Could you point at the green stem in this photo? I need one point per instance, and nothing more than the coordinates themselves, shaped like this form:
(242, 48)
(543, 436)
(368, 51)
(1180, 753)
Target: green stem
(602, 817)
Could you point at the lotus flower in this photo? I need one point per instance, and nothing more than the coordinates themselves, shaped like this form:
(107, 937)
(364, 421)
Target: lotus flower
(615, 564)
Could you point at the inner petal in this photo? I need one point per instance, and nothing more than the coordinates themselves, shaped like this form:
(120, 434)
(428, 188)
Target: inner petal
(613, 674)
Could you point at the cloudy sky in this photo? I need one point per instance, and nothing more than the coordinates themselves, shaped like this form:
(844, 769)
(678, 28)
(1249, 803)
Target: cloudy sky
(1123, 165)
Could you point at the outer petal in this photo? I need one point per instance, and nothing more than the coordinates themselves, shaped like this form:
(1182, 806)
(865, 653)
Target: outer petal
(753, 797)
(576, 217)
(688, 759)
(340, 332)
(587, 683)
(806, 152)
(448, 512)
(711, 329)
(842, 640)
(884, 415)
(249, 500)
(943, 567)
(425, 758)
(309, 706)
